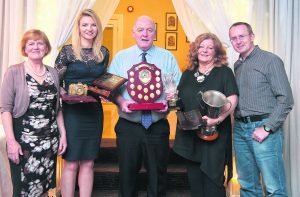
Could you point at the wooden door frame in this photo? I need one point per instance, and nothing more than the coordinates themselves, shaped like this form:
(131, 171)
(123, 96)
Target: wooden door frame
(116, 23)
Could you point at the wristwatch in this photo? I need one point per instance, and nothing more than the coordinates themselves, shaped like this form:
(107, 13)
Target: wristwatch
(267, 129)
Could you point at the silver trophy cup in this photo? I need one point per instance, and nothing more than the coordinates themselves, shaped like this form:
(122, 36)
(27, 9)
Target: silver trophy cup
(213, 103)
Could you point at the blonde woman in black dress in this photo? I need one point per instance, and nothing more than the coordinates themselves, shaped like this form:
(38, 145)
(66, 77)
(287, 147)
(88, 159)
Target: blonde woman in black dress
(31, 117)
(83, 61)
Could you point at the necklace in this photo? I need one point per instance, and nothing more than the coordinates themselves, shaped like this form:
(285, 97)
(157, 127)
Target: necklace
(201, 77)
(39, 75)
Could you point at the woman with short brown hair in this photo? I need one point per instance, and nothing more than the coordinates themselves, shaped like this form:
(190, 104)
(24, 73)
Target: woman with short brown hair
(32, 118)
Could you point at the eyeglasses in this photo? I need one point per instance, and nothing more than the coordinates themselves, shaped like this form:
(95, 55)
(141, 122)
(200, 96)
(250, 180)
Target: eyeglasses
(240, 37)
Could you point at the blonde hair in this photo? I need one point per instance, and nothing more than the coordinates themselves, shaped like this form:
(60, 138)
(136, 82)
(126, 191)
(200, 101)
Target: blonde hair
(97, 43)
(220, 52)
(34, 34)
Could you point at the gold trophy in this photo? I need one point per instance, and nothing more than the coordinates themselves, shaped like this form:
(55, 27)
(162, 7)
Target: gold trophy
(78, 89)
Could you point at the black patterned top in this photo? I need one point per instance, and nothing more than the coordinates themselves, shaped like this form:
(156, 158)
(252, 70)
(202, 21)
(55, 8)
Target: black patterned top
(73, 70)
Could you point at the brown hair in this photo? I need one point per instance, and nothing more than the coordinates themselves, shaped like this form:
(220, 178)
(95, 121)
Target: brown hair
(97, 43)
(249, 28)
(220, 56)
(34, 34)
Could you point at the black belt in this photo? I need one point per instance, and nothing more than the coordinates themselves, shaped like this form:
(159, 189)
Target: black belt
(254, 118)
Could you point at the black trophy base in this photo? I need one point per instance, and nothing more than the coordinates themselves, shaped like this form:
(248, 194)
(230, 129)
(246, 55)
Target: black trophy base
(175, 104)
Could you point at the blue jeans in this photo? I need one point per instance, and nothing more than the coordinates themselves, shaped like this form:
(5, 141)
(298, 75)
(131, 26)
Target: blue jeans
(254, 159)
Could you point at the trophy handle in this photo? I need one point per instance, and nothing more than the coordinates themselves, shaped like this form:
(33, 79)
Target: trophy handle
(200, 101)
(229, 106)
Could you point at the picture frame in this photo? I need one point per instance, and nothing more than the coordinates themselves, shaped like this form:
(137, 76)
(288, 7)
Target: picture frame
(171, 21)
(155, 26)
(186, 39)
(171, 41)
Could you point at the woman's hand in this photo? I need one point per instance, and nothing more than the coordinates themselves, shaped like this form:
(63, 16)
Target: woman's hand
(211, 121)
(14, 151)
(62, 145)
(104, 99)
(62, 91)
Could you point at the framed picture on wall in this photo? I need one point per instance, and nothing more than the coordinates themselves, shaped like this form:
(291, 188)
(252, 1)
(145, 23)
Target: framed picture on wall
(171, 41)
(186, 39)
(171, 21)
(155, 26)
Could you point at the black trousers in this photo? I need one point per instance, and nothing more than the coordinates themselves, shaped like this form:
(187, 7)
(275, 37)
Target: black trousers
(201, 184)
(137, 146)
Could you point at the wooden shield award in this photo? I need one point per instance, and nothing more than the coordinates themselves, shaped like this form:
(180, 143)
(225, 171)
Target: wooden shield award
(145, 86)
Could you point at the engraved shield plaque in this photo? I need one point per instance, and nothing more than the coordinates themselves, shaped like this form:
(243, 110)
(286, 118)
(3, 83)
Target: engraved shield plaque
(144, 83)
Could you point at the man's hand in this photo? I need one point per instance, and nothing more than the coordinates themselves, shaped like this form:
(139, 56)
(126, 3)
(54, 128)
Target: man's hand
(124, 105)
(165, 102)
(260, 134)
(170, 95)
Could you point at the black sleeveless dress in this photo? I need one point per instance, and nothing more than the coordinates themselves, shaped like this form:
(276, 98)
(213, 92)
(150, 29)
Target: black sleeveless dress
(83, 121)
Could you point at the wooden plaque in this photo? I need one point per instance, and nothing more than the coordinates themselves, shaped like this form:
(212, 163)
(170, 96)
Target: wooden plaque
(78, 99)
(109, 81)
(100, 92)
(145, 86)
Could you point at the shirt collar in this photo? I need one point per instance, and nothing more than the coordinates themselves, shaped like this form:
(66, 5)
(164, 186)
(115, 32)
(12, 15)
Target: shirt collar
(253, 52)
(149, 51)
